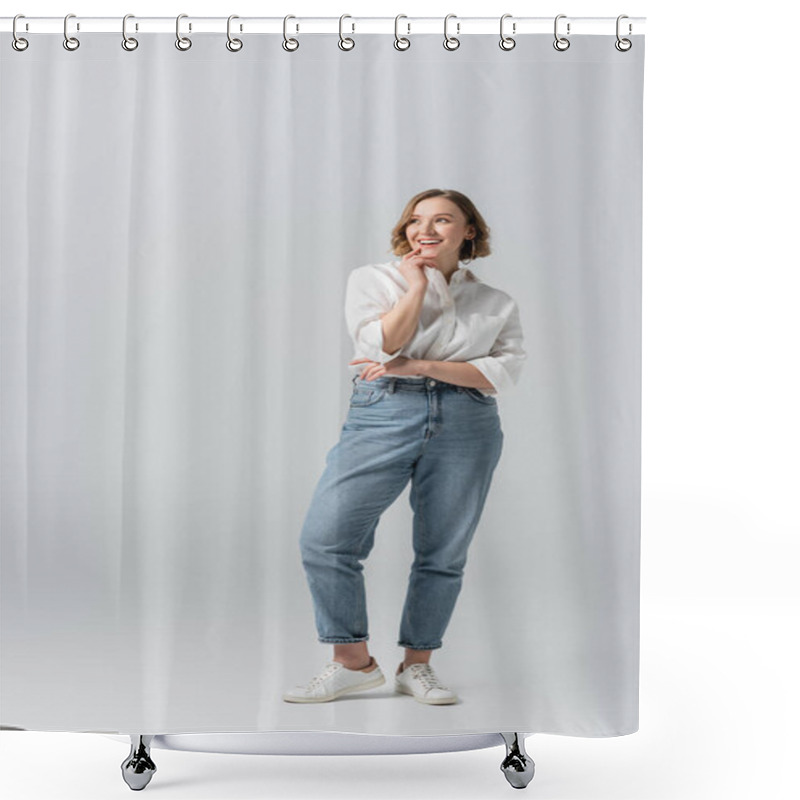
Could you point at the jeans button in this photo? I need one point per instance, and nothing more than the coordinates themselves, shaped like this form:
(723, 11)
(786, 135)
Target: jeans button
(431, 383)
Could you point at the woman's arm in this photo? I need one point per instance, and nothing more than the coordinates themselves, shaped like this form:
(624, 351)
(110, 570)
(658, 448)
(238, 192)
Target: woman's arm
(400, 324)
(503, 364)
(460, 373)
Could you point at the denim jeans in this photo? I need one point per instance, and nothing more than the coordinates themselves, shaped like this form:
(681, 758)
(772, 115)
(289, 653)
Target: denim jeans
(446, 440)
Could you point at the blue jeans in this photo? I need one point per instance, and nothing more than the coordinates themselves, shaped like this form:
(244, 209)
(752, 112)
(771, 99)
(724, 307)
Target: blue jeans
(447, 440)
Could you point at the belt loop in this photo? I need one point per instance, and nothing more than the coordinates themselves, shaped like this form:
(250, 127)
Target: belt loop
(392, 382)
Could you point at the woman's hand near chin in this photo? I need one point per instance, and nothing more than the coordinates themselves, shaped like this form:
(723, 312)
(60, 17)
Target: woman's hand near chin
(412, 268)
(397, 366)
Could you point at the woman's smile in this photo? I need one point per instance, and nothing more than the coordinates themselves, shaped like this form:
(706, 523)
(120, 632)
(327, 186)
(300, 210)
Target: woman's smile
(438, 227)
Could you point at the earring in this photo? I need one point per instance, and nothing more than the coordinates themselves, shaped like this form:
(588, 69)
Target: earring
(472, 254)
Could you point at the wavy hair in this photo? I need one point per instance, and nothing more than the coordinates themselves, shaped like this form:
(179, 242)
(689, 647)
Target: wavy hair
(400, 245)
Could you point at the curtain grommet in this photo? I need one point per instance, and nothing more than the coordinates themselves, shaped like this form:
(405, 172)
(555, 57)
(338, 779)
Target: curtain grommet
(451, 42)
(128, 42)
(183, 43)
(345, 42)
(289, 44)
(406, 43)
(623, 45)
(234, 45)
(507, 42)
(17, 42)
(561, 43)
(70, 42)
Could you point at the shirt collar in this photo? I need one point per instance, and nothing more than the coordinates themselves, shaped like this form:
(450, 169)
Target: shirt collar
(461, 274)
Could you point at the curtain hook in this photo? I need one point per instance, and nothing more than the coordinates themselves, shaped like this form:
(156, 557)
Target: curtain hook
(507, 42)
(128, 42)
(70, 42)
(397, 39)
(18, 43)
(561, 43)
(182, 42)
(451, 42)
(623, 45)
(351, 42)
(234, 45)
(290, 45)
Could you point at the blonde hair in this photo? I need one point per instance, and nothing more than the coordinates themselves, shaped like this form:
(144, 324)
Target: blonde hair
(400, 245)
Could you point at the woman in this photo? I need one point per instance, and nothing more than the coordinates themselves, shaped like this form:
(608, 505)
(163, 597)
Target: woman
(436, 344)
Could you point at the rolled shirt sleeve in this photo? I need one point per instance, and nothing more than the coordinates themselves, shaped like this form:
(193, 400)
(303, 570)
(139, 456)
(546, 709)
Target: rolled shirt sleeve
(367, 299)
(503, 365)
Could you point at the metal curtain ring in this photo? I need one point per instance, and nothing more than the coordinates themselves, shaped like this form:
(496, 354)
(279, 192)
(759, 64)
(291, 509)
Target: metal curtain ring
(506, 42)
(290, 45)
(451, 42)
(70, 42)
(401, 43)
(182, 42)
(350, 42)
(128, 42)
(234, 45)
(18, 43)
(623, 45)
(561, 43)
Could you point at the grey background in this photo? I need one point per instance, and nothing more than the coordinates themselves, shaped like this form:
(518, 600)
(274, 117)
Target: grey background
(177, 232)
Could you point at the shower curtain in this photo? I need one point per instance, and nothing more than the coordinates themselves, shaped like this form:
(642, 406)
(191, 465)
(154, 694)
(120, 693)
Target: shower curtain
(196, 245)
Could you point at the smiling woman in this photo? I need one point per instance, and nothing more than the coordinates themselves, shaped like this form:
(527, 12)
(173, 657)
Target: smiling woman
(463, 341)
(426, 316)
(444, 216)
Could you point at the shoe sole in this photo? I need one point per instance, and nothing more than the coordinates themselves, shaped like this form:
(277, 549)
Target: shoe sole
(444, 701)
(379, 681)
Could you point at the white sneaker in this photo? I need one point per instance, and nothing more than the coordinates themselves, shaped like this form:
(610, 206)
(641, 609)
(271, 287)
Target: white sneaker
(335, 680)
(420, 681)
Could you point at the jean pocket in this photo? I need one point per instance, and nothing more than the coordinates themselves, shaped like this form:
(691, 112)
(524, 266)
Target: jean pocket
(366, 395)
(476, 395)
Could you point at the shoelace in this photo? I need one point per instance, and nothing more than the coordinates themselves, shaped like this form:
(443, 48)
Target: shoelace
(425, 674)
(326, 673)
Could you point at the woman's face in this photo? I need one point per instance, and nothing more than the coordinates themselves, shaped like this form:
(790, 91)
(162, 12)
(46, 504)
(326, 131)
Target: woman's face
(439, 226)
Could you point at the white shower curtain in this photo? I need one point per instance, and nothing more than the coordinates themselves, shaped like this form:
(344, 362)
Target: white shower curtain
(178, 234)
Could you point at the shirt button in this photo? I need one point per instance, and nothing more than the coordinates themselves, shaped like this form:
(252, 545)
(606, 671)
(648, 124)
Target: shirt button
(431, 383)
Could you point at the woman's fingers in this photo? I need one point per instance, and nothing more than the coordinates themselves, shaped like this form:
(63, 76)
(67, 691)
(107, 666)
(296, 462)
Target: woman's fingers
(374, 369)
(416, 257)
(413, 266)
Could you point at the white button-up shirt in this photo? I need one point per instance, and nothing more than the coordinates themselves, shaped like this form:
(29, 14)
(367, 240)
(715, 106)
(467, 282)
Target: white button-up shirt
(467, 320)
